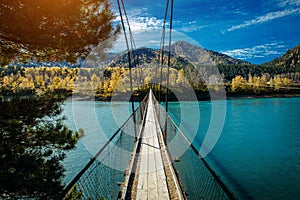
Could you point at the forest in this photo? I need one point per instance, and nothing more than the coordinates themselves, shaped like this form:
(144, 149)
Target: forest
(102, 83)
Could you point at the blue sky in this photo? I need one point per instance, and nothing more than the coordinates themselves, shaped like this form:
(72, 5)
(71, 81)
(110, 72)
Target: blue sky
(251, 30)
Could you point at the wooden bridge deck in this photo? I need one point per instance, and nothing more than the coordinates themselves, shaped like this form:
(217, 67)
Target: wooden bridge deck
(151, 175)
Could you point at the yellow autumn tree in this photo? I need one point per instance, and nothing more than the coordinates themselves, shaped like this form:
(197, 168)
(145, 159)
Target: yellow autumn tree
(95, 81)
(6, 82)
(180, 79)
(172, 78)
(56, 82)
(278, 83)
(147, 80)
(26, 84)
(106, 87)
(40, 83)
(250, 79)
(238, 83)
(287, 82)
(271, 82)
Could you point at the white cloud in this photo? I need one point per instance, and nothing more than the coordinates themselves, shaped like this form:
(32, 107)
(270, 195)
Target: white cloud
(147, 30)
(140, 24)
(268, 17)
(191, 27)
(288, 3)
(140, 20)
(258, 51)
(150, 39)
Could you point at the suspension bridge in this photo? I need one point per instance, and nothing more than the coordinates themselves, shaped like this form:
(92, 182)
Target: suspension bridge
(150, 170)
(141, 160)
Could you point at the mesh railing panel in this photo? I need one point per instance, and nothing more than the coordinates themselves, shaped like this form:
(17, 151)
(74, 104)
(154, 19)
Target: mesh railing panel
(197, 179)
(99, 182)
(100, 177)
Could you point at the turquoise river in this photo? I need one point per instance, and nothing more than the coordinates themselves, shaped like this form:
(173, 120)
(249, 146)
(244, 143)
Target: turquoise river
(257, 154)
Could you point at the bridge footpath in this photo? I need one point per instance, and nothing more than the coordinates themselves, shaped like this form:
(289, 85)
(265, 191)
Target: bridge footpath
(151, 174)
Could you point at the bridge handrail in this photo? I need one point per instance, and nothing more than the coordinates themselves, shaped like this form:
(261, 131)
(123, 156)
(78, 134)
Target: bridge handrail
(212, 172)
(128, 172)
(86, 167)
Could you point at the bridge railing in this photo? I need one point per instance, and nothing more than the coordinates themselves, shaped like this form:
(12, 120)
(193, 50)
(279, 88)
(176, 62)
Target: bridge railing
(197, 178)
(101, 177)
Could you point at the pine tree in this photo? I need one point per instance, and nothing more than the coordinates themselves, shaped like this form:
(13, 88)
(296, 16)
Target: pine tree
(33, 142)
(54, 29)
(33, 138)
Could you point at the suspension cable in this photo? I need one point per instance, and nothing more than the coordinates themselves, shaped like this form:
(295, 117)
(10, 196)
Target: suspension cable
(129, 59)
(127, 45)
(169, 60)
(132, 44)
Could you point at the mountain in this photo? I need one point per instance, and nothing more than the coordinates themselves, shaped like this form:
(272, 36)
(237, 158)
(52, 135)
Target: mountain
(147, 56)
(182, 53)
(291, 59)
(198, 54)
(185, 55)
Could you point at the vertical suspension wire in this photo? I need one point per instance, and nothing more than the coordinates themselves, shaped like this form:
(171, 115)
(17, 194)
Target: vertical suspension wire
(127, 45)
(162, 44)
(169, 55)
(132, 44)
(135, 60)
(161, 59)
(134, 55)
(129, 60)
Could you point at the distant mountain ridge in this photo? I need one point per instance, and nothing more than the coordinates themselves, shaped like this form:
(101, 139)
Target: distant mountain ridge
(147, 56)
(201, 55)
(182, 53)
(185, 55)
(291, 59)
(185, 52)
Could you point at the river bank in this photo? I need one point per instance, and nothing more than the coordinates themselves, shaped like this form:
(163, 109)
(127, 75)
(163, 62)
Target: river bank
(138, 95)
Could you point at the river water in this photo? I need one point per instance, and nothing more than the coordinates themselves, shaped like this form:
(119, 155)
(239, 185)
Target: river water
(257, 154)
